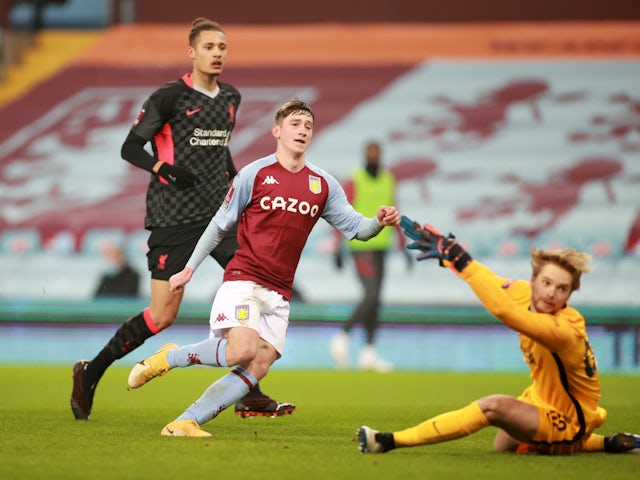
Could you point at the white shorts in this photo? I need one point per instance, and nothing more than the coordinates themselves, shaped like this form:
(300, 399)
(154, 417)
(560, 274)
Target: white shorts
(243, 303)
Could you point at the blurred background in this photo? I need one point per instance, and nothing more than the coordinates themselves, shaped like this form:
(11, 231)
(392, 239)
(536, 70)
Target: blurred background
(513, 124)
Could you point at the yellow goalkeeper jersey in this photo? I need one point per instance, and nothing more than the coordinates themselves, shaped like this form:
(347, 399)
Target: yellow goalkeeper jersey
(556, 347)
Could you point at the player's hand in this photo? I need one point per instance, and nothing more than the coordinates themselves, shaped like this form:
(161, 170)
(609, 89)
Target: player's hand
(178, 280)
(176, 176)
(433, 244)
(388, 216)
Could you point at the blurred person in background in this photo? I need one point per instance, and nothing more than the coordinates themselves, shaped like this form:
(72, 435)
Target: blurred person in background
(122, 280)
(188, 123)
(559, 412)
(369, 186)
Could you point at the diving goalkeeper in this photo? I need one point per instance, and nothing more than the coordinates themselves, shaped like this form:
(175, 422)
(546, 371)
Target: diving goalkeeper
(558, 413)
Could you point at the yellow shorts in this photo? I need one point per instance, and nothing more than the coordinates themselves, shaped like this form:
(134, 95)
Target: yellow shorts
(559, 433)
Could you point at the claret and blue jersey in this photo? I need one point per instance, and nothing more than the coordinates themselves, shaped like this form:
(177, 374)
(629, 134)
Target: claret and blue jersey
(276, 210)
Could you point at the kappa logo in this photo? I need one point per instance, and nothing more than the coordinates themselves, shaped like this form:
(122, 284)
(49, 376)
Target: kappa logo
(162, 261)
(221, 317)
(192, 112)
(270, 180)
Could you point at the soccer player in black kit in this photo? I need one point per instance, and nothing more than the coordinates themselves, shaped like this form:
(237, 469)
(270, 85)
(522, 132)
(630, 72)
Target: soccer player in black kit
(188, 122)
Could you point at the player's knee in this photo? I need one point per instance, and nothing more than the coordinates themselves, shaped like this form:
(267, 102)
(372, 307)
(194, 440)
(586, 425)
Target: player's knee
(494, 407)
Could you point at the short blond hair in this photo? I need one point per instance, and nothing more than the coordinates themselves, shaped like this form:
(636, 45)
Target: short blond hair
(569, 259)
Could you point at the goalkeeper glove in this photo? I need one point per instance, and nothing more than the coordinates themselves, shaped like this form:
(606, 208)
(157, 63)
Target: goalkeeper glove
(176, 176)
(433, 244)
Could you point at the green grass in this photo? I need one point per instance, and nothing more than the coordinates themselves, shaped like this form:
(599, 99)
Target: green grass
(40, 439)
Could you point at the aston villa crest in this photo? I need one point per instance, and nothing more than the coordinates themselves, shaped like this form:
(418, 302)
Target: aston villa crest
(242, 312)
(314, 184)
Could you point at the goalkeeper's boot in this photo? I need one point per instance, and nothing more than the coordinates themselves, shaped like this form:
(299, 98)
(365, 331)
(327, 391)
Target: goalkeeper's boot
(622, 443)
(151, 367)
(262, 406)
(81, 394)
(184, 428)
(373, 441)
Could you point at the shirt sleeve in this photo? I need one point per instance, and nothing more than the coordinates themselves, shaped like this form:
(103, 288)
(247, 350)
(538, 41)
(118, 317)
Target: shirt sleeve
(151, 119)
(368, 228)
(552, 331)
(133, 152)
(339, 212)
(209, 240)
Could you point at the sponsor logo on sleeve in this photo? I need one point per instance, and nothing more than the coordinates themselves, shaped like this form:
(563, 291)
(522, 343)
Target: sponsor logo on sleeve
(139, 117)
(227, 199)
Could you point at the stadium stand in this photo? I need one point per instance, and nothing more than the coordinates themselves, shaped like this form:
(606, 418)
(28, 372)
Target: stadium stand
(475, 148)
(509, 134)
(20, 241)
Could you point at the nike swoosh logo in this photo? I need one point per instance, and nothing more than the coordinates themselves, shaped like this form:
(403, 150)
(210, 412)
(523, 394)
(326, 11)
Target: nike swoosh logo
(193, 112)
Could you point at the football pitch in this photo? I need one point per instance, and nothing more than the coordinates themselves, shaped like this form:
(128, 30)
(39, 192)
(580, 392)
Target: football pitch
(41, 440)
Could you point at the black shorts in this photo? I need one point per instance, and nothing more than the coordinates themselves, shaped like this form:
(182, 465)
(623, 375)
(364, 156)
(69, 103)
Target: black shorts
(171, 247)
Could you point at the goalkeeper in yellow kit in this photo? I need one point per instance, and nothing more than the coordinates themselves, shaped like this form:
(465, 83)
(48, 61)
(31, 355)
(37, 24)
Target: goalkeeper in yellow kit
(558, 413)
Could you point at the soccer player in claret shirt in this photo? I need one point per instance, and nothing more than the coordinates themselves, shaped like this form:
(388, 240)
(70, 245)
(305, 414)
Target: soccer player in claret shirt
(188, 123)
(276, 200)
(559, 412)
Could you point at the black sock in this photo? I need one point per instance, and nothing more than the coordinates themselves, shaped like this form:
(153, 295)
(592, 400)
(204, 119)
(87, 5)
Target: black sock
(255, 392)
(127, 338)
(386, 440)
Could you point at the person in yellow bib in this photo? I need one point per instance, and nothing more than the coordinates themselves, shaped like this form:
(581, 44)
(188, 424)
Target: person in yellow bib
(559, 412)
(367, 187)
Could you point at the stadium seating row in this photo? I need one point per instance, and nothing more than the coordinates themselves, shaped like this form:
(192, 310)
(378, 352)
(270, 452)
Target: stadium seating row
(52, 268)
(24, 241)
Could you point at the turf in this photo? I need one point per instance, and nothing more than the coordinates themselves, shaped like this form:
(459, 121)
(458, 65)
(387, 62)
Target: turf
(40, 439)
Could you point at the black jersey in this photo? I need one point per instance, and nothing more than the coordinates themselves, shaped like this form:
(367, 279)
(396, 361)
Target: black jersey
(191, 130)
